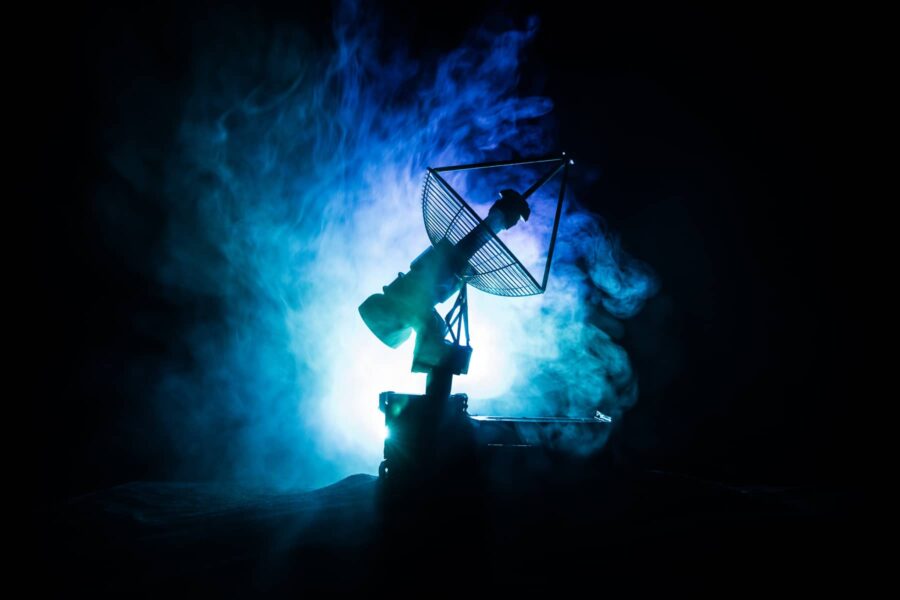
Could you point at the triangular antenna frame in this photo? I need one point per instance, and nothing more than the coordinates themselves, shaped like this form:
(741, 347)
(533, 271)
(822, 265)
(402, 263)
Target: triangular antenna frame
(496, 270)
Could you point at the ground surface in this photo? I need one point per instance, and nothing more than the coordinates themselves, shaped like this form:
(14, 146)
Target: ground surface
(619, 531)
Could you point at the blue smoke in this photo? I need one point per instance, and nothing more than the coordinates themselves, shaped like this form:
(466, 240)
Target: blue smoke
(292, 193)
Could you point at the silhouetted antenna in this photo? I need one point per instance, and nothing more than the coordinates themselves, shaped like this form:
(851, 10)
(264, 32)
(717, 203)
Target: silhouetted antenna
(465, 250)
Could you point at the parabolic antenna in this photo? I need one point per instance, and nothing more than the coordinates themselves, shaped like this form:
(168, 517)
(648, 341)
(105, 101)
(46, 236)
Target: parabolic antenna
(493, 268)
(465, 250)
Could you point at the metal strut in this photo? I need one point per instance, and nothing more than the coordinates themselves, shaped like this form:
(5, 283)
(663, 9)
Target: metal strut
(458, 318)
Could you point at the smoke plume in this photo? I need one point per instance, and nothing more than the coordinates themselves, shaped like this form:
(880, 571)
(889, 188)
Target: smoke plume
(292, 192)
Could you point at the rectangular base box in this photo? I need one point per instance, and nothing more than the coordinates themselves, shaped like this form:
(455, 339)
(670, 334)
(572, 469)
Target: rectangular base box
(427, 438)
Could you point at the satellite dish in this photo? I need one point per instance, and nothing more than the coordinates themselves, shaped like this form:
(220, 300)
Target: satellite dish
(493, 268)
(465, 251)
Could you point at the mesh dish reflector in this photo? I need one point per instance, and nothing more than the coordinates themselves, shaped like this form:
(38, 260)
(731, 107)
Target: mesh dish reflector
(493, 268)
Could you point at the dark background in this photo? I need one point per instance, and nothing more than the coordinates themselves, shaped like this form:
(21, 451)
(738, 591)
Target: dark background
(716, 137)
